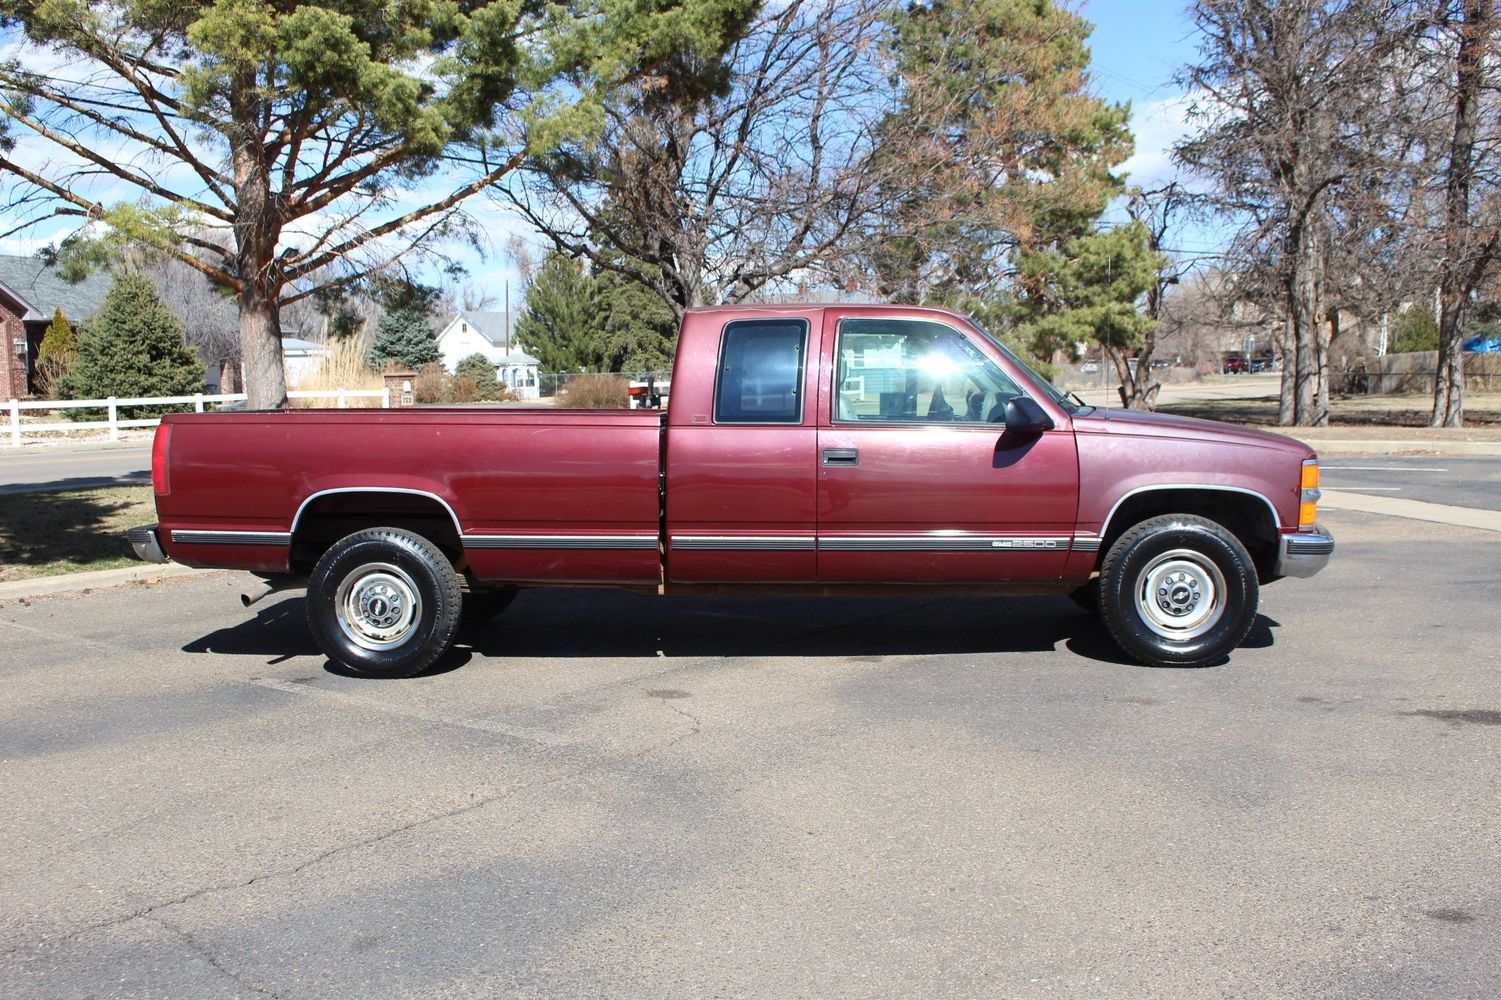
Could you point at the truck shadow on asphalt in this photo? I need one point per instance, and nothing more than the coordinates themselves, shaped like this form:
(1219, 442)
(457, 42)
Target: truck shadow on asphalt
(584, 624)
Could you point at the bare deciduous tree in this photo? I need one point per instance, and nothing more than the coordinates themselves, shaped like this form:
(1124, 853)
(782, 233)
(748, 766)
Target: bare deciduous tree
(1470, 239)
(1290, 100)
(709, 196)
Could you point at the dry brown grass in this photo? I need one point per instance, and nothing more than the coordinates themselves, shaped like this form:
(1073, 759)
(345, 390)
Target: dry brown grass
(343, 368)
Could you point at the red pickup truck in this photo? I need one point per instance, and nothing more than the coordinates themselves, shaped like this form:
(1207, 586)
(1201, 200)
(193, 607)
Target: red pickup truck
(839, 449)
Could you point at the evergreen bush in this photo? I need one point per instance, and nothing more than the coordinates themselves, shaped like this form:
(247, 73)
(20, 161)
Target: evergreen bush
(1416, 330)
(478, 368)
(57, 354)
(132, 347)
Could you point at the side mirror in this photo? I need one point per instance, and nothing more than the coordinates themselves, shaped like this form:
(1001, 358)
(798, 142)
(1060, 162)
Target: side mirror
(1024, 416)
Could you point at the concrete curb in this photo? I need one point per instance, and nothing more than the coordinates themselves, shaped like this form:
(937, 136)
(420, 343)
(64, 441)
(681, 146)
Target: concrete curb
(65, 583)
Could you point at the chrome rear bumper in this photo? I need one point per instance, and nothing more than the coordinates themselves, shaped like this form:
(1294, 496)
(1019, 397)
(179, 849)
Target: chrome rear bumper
(147, 546)
(1304, 553)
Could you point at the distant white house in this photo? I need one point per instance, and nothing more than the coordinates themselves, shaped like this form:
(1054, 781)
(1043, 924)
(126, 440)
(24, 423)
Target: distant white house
(301, 359)
(479, 331)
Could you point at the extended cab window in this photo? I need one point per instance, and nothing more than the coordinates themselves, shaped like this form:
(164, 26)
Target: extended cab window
(914, 371)
(760, 372)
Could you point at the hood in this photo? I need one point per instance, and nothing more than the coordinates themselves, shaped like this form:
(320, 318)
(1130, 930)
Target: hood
(1162, 425)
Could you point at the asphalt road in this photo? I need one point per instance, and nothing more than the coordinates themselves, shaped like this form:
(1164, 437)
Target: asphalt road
(74, 468)
(612, 795)
(1461, 482)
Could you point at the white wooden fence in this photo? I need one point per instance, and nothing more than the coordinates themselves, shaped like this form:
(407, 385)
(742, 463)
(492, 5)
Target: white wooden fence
(112, 406)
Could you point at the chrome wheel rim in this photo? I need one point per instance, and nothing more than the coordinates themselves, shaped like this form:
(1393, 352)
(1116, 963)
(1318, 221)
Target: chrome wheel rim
(378, 606)
(1180, 595)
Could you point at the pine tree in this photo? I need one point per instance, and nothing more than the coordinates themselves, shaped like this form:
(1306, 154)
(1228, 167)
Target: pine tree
(1000, 142)
(57, 354)
(637, 330)
(479, 368)
(561, 322)
(1093, 285)
(132, 347)
(404, 335)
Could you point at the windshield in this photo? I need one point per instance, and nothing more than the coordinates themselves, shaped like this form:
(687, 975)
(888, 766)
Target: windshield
(1051, 391)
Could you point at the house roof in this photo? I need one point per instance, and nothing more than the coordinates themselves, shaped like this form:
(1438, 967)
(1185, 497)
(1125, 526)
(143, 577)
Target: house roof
(518, 358)
(491, 324)
(42, 289)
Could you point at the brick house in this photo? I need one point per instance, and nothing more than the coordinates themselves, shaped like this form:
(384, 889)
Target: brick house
(29, 292)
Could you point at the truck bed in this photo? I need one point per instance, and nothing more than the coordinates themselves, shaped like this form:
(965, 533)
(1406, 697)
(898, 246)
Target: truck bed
(524, 488)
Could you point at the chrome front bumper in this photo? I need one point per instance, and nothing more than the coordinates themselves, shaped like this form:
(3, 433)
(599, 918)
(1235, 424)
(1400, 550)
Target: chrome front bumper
(1304, 553)
(146, 544)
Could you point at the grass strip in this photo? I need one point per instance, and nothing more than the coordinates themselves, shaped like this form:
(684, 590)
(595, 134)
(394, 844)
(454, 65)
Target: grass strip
(72, 531)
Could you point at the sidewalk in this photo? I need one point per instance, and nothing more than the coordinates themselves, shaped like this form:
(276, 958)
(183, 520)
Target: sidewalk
(1387, 440)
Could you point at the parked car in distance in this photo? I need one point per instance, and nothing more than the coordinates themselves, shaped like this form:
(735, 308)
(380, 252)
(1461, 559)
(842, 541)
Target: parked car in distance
(1263, 364)
(1482, 344)
(814, 449)
(1235, 366)
(1090, 368)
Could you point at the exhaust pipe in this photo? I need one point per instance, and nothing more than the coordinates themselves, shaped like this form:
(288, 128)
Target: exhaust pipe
(267, 587)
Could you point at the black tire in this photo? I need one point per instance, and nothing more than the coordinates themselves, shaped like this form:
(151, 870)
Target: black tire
(1178, 591)
(482, 605)
(383, 602)
(1088, 597)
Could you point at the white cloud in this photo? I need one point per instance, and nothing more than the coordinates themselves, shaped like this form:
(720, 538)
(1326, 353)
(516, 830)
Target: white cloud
(1158, 126)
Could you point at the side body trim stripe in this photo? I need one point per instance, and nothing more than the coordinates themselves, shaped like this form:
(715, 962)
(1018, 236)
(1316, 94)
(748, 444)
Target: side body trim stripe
(946, 543)
(741, 543)
(189, 537)
(560, 541)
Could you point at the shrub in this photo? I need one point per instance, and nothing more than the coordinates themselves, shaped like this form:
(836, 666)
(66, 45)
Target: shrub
(481, 372)
(57, 354)
(431, 384)
(1416, 330)
(462, 389)
(132, 347)
(595, 392)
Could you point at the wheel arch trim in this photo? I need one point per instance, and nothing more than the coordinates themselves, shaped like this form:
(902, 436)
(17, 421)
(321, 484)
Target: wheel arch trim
(302, 508)
(1276, 522)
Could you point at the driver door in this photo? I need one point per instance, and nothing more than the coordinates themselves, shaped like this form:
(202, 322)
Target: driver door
(918, 479)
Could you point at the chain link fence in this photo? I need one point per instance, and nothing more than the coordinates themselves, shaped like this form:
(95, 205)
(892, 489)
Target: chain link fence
(550, 383)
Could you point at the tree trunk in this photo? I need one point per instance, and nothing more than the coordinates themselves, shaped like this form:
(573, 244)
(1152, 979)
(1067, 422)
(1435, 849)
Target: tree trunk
(1306, 360)
(260, 346)
(1455, 287)
(1288, 389)
(257, 227)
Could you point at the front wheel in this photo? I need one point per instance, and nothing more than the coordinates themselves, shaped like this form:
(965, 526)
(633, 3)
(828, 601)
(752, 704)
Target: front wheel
(1178, 591)
(383, 602)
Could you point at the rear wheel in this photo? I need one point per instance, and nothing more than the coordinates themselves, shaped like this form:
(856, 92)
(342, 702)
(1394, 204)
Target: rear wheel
(383, 602)
(1178, 590)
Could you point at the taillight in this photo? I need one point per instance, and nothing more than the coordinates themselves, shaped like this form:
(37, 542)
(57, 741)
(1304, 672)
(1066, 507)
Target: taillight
(159, 447)
(1308, 497)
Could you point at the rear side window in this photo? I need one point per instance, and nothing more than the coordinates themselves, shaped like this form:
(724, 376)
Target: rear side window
(761, 372)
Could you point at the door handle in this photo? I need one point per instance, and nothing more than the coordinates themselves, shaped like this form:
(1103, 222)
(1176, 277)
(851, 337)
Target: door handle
(841, 456)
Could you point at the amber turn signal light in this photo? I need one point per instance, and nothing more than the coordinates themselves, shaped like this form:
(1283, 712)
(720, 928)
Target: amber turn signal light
(1308, 506)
